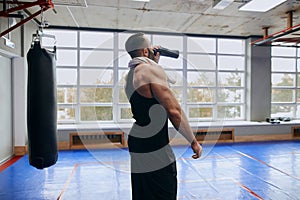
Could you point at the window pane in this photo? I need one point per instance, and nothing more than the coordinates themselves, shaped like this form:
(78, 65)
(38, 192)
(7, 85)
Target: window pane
(231, 95)
(231, 79)
(229, 112)
(284, 64)
(124, 59)
(122, 96)
(63, 38)
(298, 112)
(122, 77)
(96, 95)
(171, 63)
(203, 45)
(66, 76)
(231, 46)
(66, 58)
(96, 58)
(298, 96)
(96, 40)
(170, 42)
(282, 95)
(96, 113)
(283, 51)
(65, 114)
(96, 77)
(201, 78)
(66, 95)
(202, 112)
(126, 113)
(201, 62)
(177, 92)
(231, 63)
(200, 95)
(282, 111)
(283, 80)
(176, 76)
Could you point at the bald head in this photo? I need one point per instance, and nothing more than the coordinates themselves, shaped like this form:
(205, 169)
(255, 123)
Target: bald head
(136, 43)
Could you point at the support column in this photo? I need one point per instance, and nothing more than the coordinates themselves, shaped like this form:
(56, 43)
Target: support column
(259, 82)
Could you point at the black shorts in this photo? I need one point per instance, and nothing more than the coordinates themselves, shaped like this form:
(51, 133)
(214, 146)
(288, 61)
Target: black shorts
(156, 185)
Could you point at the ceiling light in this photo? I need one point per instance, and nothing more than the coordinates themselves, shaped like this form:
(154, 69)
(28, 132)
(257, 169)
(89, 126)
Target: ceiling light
(261, 5)
(221, 4)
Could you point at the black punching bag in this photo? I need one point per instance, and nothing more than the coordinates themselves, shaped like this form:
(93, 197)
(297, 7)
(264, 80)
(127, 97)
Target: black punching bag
(41, 107)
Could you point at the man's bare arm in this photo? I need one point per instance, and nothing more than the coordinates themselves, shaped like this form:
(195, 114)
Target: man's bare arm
(162, 92)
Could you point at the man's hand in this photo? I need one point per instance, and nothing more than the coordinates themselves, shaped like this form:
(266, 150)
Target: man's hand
(197, 149)
(157, 56)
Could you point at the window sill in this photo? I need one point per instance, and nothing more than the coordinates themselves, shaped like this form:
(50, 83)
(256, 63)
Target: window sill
(113, 126)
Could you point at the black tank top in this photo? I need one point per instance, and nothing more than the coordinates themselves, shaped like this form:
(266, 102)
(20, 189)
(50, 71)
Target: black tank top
(150, 131)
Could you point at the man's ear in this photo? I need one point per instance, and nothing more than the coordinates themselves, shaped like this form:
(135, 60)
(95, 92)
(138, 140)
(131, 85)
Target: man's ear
(146, 52)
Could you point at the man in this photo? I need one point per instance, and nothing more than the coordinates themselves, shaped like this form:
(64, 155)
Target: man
(153, 166)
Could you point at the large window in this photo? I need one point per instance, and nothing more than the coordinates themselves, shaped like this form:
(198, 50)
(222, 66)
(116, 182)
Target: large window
(92, 65)
(285, 82)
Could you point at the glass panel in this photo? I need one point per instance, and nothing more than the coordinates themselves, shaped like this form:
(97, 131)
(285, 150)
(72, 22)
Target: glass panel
(231, 46)
(96, 40)
(231, 63)
(283, 80)
(66, 76)
(201, 78)
(170, 42)
(126, 113)
(197, 95)
(66, 57)
(203, 45)
(177, 92)
(298, 112)
(122, 77)
(96, 77)
(298, 96)
(279, 95)
(229, 112)
(201, 62)
(175, 76)
(96, 113)
(282, 111)
(123, 59)
(65, 114)
(231, 95)
(171, 63)
(202, 112)
(96, 58)
(283, 64)
(122, 96)
(231, 79)
(96, 95)
(66, 95)
(283, 51)
(298, 80)
(63, 38)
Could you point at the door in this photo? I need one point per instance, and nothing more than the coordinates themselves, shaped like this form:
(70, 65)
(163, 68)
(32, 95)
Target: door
(6, 133)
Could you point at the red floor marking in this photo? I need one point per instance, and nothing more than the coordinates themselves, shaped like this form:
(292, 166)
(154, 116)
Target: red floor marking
(249, 190)
(264, 163)
(68, 182)
(9, 163)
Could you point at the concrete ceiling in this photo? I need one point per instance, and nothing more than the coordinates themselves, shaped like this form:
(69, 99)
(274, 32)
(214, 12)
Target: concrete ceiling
(181, 16)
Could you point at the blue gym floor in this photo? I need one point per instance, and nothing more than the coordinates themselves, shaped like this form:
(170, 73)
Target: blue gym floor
(268, 170)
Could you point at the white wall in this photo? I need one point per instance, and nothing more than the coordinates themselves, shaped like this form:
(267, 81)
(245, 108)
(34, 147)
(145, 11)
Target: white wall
(19, 100)
(6, 130)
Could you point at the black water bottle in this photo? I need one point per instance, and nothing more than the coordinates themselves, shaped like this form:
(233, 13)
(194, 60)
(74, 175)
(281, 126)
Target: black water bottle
(167, 52)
